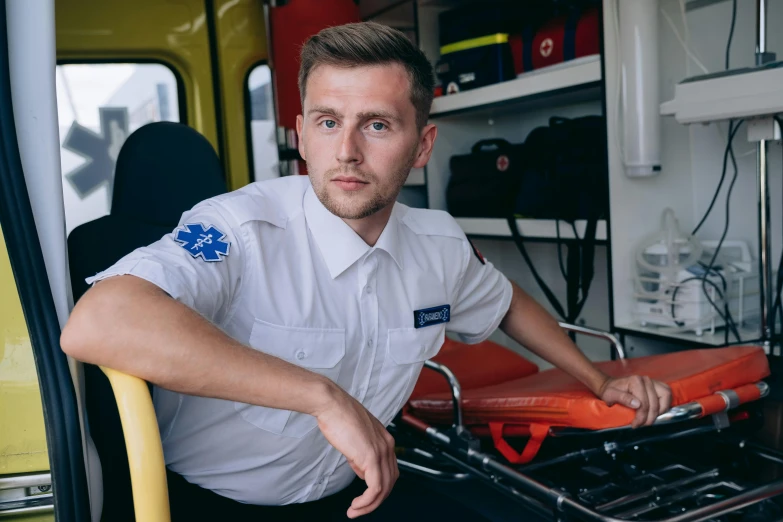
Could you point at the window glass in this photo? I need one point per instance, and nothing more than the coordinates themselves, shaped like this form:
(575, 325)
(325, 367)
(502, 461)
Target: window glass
(99, 106)
(263, 133)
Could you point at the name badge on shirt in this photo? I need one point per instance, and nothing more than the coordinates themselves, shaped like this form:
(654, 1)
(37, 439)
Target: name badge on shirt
(430, 316)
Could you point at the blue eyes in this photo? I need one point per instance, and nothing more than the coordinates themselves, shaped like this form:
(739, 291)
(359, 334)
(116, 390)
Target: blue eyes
(376, 126)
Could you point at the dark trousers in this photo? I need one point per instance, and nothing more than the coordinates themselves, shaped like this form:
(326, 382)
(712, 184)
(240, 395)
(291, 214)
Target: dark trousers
(409, 501)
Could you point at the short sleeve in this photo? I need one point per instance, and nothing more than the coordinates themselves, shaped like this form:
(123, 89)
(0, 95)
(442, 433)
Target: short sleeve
(200, 263)
(483, 297)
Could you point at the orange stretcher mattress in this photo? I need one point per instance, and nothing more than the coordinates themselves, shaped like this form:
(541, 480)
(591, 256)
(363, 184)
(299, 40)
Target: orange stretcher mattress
(475, 366)
(552, 398)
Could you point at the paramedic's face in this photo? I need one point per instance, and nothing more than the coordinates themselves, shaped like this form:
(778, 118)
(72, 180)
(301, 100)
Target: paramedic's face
(358, 135)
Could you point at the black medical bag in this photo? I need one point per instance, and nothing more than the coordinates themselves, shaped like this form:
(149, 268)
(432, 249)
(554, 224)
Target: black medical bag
(565, 175)
(485, 182)
(559, 172)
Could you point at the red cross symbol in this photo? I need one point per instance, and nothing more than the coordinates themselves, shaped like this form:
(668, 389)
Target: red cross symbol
(546, 47)
(502, 163)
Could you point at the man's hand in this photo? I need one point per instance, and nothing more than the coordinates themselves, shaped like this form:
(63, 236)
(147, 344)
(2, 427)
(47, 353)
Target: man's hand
(648, 397)
(369, 448)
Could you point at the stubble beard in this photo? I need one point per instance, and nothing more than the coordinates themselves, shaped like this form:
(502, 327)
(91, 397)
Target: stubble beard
(377, 201)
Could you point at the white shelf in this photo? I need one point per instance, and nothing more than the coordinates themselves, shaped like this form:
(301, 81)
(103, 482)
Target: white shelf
(416, 178)
(550, 81)
(529, 228)
(747, 335)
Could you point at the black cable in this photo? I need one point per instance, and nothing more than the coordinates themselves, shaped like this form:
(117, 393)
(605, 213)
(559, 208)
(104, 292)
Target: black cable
(726, 153)
(731, 30)
(732, 132)
(777, 307)
(583, 294)
(559, 246)
(728, 319)
(711, 264)
(584, 290)
(697, 278)
(726, 316)
(517, 236)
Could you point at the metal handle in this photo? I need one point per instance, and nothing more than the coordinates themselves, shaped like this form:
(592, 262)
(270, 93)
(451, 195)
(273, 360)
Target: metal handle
(689, 411)
(26, 481)
(444, 476)
(456, 391)
(25, 511)
(600, 334)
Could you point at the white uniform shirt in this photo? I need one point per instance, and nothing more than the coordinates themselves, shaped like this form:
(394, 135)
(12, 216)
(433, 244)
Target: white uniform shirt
(277, 271)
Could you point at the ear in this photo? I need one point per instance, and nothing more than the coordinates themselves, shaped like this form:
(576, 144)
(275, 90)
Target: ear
(426, 142)
(300, 136)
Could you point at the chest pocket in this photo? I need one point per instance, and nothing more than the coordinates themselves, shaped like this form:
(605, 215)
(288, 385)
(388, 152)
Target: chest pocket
(406, 351)
(318, 350)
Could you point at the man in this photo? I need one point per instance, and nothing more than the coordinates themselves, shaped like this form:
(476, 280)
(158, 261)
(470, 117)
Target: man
(276, 322)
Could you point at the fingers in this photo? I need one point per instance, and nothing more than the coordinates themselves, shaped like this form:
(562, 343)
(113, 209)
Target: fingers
(616, 396)
(648, 397)
(664, 395)
(371, 498)
(394, 470)
(652, 398)
(639, 390)
(380, 479)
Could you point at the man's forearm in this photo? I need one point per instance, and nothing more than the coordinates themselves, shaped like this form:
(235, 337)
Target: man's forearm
(132, 326)
(533, 327)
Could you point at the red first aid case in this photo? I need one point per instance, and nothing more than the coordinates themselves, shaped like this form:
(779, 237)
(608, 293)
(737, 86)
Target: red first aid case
(559, 40)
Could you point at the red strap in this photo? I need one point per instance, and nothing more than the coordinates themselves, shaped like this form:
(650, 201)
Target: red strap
(538, 433)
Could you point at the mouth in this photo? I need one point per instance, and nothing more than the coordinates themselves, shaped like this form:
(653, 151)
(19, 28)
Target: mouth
(349, 183)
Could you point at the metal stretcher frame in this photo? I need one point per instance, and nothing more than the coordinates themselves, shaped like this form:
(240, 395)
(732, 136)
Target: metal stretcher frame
(459, 448)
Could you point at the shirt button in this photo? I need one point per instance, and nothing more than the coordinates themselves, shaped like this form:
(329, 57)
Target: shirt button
(369, 343)
(320, 481)
(300, 355)
(368, 288)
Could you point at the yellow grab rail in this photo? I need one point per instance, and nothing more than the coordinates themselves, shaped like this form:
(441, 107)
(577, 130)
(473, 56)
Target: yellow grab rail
(145, 451)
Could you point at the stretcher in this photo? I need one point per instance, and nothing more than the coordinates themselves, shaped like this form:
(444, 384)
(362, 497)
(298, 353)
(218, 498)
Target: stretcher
(485, 413)
(588, 465)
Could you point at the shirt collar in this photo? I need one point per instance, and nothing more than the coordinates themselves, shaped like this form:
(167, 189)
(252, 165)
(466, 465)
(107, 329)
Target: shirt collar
(389, 240)
(340, 246)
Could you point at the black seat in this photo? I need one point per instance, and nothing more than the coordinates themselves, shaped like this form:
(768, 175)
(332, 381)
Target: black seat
(163, 170)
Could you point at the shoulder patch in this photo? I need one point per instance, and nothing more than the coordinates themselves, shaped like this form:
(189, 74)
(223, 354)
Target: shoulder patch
(206, 242)
(477, 253)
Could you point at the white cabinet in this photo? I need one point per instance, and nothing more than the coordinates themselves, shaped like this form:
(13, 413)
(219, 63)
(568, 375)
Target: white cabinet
(691, 162)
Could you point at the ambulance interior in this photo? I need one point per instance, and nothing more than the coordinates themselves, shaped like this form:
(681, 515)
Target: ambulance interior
(620, 160)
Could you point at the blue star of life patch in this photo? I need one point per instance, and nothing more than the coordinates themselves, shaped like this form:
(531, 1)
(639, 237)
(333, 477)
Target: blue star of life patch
(199, 241)
(429, 316)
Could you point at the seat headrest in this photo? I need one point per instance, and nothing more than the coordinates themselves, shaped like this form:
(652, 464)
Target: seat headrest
(163, 170)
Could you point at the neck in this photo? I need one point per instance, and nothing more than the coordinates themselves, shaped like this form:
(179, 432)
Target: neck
(371, 227)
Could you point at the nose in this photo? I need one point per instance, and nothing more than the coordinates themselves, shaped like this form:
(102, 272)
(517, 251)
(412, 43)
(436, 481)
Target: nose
(349, 152)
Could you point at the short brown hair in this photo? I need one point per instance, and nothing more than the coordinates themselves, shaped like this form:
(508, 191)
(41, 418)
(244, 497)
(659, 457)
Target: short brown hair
(367, 44)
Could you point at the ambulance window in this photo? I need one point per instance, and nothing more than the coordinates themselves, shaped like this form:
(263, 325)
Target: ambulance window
(262, 127)
(99, 106)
